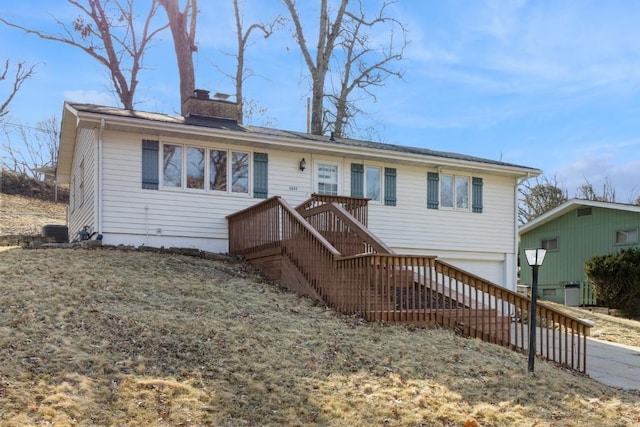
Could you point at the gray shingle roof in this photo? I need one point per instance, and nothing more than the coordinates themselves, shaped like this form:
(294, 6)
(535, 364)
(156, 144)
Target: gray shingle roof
(231, 125)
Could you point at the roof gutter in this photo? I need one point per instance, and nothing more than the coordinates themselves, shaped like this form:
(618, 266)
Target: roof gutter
(291, 144)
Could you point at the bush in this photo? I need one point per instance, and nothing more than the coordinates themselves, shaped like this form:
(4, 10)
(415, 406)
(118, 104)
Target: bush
(616, 280)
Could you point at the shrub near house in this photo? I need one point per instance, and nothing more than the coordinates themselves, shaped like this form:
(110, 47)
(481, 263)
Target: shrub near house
(616, 280)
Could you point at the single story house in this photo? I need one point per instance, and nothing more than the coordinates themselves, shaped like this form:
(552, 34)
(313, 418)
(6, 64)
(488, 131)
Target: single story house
(139, 178)
(572, 233)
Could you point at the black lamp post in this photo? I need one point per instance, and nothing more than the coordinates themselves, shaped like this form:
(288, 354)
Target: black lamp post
(535, 257)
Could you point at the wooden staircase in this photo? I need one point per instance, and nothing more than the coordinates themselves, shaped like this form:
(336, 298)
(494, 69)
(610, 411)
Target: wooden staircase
(323, 249)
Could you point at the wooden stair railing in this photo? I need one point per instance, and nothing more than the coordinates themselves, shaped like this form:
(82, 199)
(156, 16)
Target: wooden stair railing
(409, 289)
(345, 233)
(275, 224)
(358, 207)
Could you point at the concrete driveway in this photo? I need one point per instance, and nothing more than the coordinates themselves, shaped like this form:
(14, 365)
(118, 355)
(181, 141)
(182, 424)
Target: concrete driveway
(616, 365)
(612, 364)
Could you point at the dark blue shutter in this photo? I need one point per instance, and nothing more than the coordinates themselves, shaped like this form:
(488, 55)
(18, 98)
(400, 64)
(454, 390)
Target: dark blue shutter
(476, 192)
(150, 152)
(390, 186)
(433, 180)
(260, 175)
(357, 180)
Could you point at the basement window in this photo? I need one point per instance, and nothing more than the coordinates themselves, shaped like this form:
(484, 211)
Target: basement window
(625, 237)
(549, 244)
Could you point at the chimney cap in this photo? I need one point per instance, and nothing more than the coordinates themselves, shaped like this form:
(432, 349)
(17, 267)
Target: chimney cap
(201, 93)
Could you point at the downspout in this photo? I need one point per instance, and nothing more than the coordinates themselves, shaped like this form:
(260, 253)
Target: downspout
(98, 198)
(515, 231)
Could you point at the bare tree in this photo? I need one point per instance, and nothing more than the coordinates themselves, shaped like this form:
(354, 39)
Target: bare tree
(37, 148)
(540, 197)
(23, 72)
(183, 29)
(364, 66)
(360, 64)
(107, 31)
(242, 37)
(588, 192)
(328, 35)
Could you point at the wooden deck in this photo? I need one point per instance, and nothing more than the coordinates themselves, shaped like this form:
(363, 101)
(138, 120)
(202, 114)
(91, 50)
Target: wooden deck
(323, 250)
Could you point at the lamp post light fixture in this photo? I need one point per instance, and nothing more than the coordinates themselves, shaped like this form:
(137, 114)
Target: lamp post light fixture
(535, 257)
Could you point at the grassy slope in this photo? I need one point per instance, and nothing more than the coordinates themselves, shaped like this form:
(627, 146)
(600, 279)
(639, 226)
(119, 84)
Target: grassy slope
(105, 337)
(24, 215)
(607, 327)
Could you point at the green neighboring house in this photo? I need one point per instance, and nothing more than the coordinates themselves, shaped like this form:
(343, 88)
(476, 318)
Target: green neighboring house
(572, 233)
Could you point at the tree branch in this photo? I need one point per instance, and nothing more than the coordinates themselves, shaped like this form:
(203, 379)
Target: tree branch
(23, 72)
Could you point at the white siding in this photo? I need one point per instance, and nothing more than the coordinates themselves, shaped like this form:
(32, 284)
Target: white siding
(484, 243)
(410, 225)
(185, 218)
(83, 183)
(478, 241)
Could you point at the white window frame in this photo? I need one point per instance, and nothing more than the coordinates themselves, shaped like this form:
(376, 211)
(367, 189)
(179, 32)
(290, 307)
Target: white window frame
(230, 172)
(317, 165)
(454, 191)
(185, 174)
(207, 170)
(162, 169)
(380, 184)
(208, 174)
(626, 232)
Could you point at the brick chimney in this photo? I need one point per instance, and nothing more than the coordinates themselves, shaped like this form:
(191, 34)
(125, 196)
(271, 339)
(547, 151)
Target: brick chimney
(201, 105)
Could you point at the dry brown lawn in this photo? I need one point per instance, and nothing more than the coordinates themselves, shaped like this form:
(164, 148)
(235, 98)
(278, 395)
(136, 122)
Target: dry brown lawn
(127, 338)
(607, 327)
(26, 216)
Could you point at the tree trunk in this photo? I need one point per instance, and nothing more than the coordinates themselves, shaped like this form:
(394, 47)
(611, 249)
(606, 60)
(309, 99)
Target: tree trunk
(183, 34)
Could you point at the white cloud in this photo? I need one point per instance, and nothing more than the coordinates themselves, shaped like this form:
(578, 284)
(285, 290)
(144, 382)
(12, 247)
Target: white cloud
(518, 47)
(615, 165)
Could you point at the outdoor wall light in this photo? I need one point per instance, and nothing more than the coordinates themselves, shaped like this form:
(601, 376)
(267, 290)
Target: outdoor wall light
(303, 164)
(535, 257)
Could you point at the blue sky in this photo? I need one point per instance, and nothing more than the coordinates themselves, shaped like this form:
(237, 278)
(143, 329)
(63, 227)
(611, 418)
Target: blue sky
(548, 84)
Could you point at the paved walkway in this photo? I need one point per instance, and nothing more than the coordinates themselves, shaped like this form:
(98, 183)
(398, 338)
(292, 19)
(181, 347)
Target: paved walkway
(616, 365)
(612, 364)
